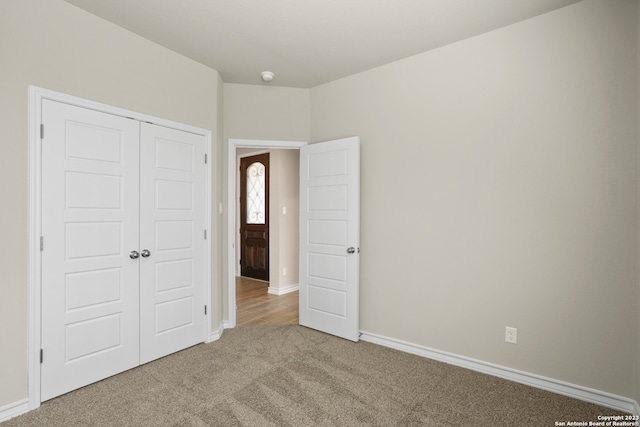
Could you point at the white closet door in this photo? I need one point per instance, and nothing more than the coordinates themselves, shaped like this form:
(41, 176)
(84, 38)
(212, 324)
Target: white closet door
(172, 225)
(90, 195)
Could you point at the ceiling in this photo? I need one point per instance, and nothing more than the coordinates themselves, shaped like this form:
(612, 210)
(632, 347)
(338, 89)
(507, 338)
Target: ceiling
(309, 42)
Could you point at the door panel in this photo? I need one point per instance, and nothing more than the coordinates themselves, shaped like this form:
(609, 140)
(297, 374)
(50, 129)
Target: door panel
(93, 191)
(254, 216)
(172, 228)
(329, 226)
(90, 194)
(93, 239)
(327, 301)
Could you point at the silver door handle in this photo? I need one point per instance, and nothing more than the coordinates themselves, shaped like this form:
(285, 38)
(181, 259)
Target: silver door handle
(351, 250)
(145, 253)
(134, 254)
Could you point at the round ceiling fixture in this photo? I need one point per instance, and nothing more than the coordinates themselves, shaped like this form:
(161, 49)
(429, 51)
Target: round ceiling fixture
(267, 76)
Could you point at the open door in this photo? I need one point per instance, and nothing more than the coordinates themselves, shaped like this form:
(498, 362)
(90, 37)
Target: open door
(330, 237)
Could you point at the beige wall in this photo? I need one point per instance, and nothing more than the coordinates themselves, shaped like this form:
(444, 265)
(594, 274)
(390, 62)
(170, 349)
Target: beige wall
(260, 112)
(266, 112)
(218, 227)
(498, 189)
(51, 44)
(637, 350)
(285, 179)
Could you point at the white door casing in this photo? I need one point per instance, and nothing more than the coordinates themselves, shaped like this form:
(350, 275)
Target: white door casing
(330, 237)
(172, 224)
(90, 194)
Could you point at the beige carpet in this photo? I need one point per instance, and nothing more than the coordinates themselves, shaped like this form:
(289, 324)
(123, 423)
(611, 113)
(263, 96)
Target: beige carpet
(293, 376)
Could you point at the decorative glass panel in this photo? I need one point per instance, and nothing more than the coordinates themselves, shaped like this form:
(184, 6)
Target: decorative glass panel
(255, 194)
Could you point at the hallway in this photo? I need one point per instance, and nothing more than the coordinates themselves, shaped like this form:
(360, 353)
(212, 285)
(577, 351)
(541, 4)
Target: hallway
(254, 306)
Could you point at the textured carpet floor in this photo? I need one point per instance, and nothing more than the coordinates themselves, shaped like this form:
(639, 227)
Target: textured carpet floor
(293, 376)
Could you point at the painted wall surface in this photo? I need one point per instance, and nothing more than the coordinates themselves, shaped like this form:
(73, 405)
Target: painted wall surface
(501, 169)
(285, 178)
(217, 226)
(261, 112)
(266, 112)
(54, 45)
(637, 350)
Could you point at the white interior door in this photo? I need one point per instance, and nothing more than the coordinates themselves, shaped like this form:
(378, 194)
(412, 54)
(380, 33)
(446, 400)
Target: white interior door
(90, 321)
(172, 226)
(123, 265)
(330, 237)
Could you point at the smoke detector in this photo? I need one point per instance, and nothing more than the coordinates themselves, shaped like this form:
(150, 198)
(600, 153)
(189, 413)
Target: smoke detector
(267, 76)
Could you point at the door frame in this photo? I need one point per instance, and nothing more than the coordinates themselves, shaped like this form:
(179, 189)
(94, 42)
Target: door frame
(36, 95)
(232, 197)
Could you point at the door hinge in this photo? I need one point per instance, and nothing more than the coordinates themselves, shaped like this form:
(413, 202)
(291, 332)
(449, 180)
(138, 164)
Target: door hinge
(205, 310)
(41, 355)
(41, 131)
(205, 234)
(205, 158)
(41, 243)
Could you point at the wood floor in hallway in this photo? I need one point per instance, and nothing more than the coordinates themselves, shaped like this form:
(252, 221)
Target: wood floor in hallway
(254, 306)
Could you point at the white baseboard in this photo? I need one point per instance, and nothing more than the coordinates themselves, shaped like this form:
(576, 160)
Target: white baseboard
(282, 291)
(14, 409)
(556, 386)
(215, 335)
(227, 325)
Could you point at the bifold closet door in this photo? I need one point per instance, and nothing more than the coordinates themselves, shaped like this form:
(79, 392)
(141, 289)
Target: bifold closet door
(90, 223)
(172, 224)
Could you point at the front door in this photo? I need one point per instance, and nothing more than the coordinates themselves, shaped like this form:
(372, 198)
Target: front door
(254, 216)
(330, 237)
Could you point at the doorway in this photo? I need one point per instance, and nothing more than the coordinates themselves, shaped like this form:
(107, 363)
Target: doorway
(268, 239)
(328, 233)
(281, 210)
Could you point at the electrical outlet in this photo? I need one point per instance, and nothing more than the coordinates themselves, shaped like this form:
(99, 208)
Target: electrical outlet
(511, 335)
(284, 271)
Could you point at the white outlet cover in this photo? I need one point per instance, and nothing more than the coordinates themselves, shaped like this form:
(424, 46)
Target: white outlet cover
(511, 335)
